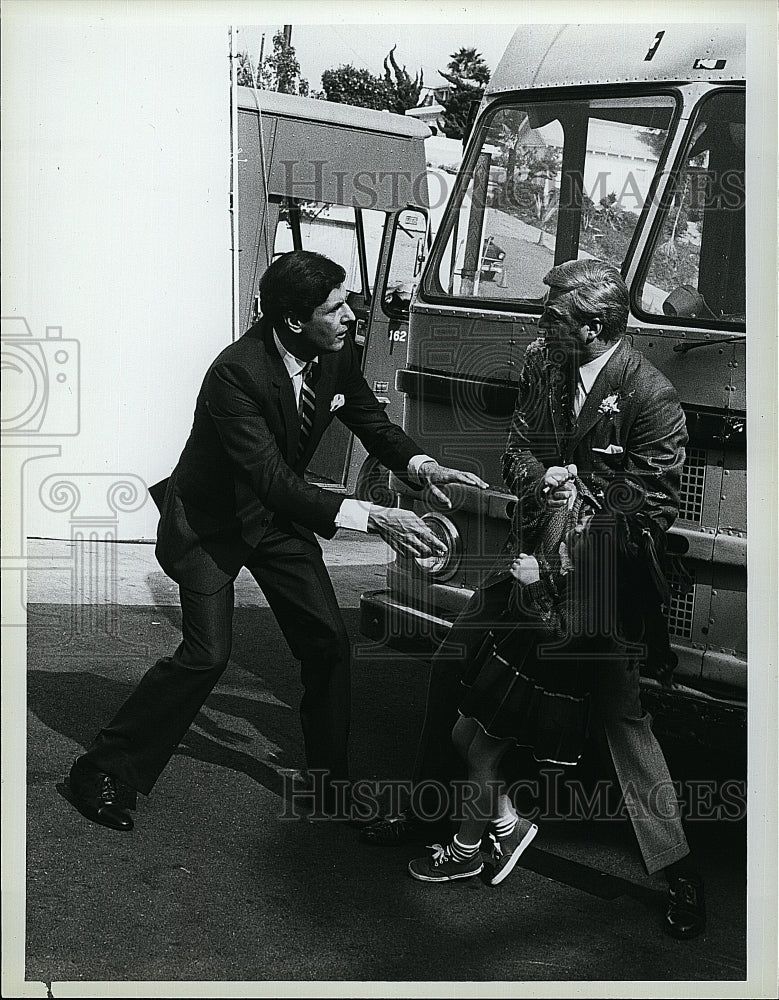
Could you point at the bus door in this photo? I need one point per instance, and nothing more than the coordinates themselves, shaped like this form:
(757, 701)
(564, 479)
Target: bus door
(403, 254)
(689, 297)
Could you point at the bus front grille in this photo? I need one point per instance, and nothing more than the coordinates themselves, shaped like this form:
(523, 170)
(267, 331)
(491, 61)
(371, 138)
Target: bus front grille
(693, 478)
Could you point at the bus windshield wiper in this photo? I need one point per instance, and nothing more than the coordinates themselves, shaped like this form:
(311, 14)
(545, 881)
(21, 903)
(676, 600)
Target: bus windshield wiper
(690, 345)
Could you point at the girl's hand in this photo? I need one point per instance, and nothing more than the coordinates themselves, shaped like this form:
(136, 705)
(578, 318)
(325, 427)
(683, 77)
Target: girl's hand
(559, 488)
(525, 569)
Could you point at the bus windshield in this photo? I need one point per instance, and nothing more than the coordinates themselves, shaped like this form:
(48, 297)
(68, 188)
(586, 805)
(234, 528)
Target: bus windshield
(549, 181)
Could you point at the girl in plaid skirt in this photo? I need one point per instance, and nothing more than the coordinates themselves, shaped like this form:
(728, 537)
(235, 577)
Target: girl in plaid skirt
(529, 683)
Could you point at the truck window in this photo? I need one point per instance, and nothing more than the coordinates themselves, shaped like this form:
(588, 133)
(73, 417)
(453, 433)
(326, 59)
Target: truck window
(547, 182)
(406, 259)
(696, 262)
(332, 230)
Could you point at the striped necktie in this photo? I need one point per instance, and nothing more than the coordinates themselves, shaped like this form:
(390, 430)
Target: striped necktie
(306, 406)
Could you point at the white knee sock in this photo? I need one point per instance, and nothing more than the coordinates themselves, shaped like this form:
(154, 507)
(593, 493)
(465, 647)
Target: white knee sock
(506, 821)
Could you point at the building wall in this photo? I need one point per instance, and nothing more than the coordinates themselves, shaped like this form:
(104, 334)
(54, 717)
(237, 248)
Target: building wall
(116, 229)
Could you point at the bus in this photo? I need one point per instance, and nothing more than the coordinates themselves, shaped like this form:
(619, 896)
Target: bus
(625, 143)
(350, 183)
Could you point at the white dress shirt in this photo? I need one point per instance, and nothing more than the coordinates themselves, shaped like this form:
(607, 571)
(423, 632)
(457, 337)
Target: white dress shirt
(352, 513)
(587, 375)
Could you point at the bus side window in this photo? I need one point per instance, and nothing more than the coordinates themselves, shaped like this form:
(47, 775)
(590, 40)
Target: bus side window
(697, 265)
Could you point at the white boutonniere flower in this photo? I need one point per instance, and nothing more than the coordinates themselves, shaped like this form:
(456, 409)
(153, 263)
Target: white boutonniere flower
(337, 402)
(609, 405)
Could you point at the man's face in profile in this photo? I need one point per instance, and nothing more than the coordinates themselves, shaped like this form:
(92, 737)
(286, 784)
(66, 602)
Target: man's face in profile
(327, 329)
(562, 329)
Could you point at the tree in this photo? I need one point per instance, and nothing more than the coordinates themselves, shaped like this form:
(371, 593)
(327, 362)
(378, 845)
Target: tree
(279, 71)
(245, 70)
(283, 68)
(395, 91)
(352, 85)
(468, 75)
(403, 90)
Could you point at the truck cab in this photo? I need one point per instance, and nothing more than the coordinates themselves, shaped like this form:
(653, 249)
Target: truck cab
(625, 143)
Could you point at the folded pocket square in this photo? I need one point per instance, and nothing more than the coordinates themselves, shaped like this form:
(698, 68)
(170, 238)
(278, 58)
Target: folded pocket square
(613, 449)
(336, 402)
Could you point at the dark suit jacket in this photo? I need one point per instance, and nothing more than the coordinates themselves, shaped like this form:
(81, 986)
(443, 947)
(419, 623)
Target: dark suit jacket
(631, 406)
(633, 412)
(238, 470)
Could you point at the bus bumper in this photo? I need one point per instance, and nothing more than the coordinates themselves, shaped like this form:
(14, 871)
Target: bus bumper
(679, 712)
(400, 626)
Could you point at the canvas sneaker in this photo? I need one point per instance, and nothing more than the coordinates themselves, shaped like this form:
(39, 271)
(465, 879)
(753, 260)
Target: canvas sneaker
(442, 867)
(508, 850)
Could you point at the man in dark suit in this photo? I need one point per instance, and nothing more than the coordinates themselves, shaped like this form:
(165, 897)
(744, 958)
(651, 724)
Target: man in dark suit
(238, 497)
(589, 405)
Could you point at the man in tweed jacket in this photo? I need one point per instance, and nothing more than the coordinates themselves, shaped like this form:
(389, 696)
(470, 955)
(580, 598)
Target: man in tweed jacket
(590, 405)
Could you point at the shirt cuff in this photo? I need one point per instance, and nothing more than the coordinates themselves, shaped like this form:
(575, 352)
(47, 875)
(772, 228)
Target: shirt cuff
(416, 463)
(353, 514)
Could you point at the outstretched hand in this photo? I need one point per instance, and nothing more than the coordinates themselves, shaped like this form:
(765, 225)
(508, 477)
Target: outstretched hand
(405, 532)
(434, 476)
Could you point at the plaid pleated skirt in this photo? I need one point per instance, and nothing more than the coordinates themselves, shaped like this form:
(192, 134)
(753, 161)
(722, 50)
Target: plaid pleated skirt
(525, 685)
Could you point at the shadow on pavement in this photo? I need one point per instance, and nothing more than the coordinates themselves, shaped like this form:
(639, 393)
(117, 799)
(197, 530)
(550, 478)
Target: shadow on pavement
(213, 885)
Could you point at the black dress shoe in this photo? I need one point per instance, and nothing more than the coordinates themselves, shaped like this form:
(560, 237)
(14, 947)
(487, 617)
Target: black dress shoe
(100, 797)
(686, 914)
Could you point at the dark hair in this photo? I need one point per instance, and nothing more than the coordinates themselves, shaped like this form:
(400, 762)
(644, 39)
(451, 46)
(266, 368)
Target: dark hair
(296, 283)
(594, 289)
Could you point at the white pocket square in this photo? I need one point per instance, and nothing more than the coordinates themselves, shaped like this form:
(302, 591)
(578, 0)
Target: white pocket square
(338, 401)
(613, 449)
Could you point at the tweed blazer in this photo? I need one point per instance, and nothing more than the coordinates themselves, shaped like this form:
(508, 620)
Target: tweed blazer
(629, 438)
(238, 469)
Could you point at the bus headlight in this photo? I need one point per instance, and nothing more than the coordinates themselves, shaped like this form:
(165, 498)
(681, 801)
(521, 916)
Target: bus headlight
(442, 567)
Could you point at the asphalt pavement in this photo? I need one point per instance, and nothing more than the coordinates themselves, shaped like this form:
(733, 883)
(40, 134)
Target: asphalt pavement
(212, 886)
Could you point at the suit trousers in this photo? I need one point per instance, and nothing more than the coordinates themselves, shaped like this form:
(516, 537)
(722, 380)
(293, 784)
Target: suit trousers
(143, 735)
(623, 729)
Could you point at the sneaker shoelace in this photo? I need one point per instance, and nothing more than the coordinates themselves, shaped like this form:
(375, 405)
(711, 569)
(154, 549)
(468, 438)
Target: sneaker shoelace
(440, 854)
(497, 850)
